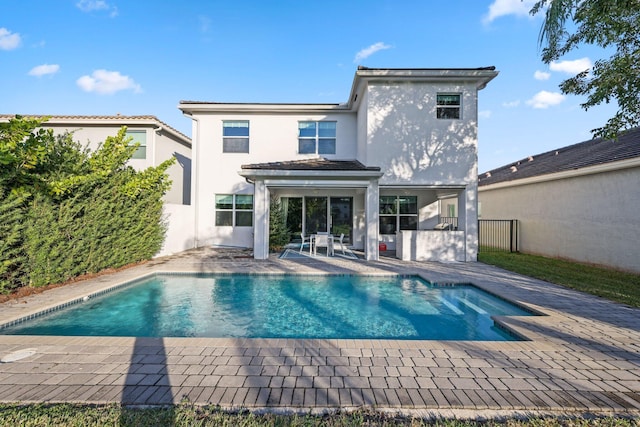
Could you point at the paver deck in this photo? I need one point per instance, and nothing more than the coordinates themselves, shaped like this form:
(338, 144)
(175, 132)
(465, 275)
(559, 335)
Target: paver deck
(583, 356)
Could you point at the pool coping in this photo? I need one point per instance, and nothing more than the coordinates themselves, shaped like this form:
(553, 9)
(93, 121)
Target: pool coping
(582, 357)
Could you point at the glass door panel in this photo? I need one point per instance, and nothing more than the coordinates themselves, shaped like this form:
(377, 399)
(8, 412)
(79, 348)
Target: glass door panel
(292, 208)
(315, 217)
(342, 217)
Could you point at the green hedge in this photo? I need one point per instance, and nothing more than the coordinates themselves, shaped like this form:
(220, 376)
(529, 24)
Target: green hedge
(71, 212)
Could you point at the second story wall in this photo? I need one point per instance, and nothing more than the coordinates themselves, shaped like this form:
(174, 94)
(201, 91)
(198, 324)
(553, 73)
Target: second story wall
(272, 137)
(407, 140)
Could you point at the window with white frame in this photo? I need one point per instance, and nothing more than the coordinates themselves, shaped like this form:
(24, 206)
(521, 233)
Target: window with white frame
(235, 136)
(234, 210)
(448, 105)
(317, 137)
(398, 213)
(138, 137)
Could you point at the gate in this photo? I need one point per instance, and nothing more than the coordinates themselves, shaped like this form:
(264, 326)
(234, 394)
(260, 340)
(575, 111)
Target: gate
(498, 235)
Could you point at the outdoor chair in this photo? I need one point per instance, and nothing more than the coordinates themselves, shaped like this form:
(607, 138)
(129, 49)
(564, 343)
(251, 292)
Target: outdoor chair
(339, 242)
(304, 240)
(323, 240)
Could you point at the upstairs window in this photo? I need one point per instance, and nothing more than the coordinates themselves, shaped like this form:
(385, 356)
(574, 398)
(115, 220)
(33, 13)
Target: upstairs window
(235, 136)
(138, 137)
(448, 106)
(317, 137)
(234, 210)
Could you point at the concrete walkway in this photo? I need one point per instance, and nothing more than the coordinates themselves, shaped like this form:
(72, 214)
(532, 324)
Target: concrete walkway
(582, 357)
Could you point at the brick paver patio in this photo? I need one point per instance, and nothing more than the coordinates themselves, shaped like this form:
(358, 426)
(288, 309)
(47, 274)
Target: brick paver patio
(583, 356)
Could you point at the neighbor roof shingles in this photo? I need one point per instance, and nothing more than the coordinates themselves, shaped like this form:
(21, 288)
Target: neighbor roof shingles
(588, 153)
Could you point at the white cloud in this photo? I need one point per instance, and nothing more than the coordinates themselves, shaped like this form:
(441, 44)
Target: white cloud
(9, 40)
(368, 51)
(511, 104)
(544, 99)
(571, 67)
(107, 82)
(541, 75)
(44, 69)
(507, 7)
(97, 5)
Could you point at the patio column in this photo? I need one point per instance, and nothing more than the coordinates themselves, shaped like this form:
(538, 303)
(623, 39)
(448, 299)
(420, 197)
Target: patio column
(372, 210)
(261, 218)
(468, 220)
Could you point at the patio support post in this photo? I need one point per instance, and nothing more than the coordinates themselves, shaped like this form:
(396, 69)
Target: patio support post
(261, 218)
(468, 220)
(372, 210)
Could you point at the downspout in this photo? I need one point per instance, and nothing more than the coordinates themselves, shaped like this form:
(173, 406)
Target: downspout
(195, 182)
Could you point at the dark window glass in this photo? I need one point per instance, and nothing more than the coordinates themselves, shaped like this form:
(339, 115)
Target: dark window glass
(388, 204)
(388, 224)
(235, 145)
(327, 146)
(306, 146)
(244, 218)
(408, 222)
(224, 218)
(448, 106)
(408, 204)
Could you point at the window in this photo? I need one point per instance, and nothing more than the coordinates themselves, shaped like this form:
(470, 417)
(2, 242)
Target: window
(138, 137)
(317, 137)
(451, 210)
(235, 136)
(398, 213)
(234, 210)
(448, 106)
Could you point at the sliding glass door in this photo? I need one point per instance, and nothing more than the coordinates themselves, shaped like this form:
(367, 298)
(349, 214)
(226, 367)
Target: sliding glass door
(315, 217)
(313, 214)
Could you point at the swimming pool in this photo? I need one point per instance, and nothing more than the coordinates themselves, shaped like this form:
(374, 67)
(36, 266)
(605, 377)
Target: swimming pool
(282, 306)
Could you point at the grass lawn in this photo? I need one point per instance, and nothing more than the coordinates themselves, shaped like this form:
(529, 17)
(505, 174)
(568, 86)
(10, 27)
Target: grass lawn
(188, 415)
(610, 284)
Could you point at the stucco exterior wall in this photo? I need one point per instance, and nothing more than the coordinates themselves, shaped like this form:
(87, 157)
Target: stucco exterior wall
(180, 232)
(410, 144)
(272, 138)
(592, 218)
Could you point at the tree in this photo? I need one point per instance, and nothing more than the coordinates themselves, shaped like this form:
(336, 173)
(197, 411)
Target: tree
(278, 232)
(604, 23)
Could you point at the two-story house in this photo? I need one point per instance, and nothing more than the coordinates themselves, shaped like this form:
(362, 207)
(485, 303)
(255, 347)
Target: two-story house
(373, 168)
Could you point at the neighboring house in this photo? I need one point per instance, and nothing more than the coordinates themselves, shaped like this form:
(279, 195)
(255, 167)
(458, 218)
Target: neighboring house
(158, 142)
(580, 202)
(373, 168)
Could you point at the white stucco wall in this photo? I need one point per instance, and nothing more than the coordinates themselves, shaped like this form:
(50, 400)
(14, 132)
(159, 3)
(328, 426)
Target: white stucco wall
(272, 138)
(410, 144)
(592, 218)
(180, 231)
(431, 245)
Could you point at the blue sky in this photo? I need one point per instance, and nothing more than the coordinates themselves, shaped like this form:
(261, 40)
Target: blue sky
(103, 57)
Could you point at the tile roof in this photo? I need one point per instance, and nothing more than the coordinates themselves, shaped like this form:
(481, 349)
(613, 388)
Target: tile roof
(588, 153)
(118, 117)
(314, 164)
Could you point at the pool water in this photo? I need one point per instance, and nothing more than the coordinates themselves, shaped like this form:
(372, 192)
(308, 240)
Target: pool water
(283, 306)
